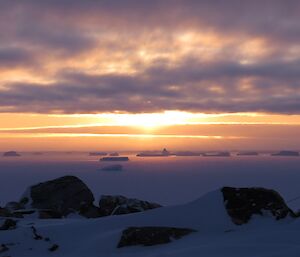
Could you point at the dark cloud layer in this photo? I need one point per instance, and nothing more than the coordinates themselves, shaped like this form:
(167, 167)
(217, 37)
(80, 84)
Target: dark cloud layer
(12, 57)
(183, 88)
(69, 35)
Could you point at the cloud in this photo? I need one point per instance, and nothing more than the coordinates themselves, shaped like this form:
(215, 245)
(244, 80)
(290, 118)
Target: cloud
(191, 86)
(148, 56)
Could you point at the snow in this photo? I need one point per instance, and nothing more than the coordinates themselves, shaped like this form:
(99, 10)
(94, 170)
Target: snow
(217, 236)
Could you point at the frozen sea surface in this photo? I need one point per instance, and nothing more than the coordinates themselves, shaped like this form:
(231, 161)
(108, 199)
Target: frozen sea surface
(166, 180)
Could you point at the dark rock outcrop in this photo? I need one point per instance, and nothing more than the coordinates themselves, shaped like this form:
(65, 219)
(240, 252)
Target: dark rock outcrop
(49, 214)
(89, 211)
(8, 224)
(148, 236)
(65, 195)
(242, 203)
(7, 213)
(62, 195)
(53, 248)
(35, 234)
(24, 212)
(117, 205)
(3, 248)
(13, 206)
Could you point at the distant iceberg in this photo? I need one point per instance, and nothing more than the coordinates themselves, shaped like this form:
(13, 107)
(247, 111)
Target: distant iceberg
(37, 153)
(11, 154)
(216, 154)
(114, 154)
(163, 153)
(286, 153)
(187, 153)
(113, 158)
(97, 154)
(250, 153)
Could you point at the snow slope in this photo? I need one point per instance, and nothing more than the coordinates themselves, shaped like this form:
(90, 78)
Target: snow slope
(217, 236)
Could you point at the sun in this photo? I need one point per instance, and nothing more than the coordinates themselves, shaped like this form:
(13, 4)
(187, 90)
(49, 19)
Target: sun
(151, 121)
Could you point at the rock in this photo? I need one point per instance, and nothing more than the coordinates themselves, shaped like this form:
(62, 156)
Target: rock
(90, 211)
(148, 236)
(9, 224)
(23, 212)
(49, 214)
(117, 205)
(11, 154)
(63, 195)
(242, 203)
(3, 248)
(36, 236)
(13, 206)
(7, 213)
(53, 248)
(24, 201)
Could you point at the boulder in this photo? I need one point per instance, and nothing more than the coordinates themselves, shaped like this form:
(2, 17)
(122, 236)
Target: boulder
(49, 214)
(8, 224)
(242, 203)
(53, 248)
(90, 211)
(148, 236)
(13, 206)
(63, 195)
(117, 205)
(3, 248)
(23, 212)
(7, 213)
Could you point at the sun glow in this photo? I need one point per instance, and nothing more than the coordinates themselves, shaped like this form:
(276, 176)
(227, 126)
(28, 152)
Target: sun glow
(147, 122)
(151, 121)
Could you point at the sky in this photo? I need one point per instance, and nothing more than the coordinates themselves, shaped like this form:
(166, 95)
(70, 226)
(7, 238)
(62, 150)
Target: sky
(136, 74)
